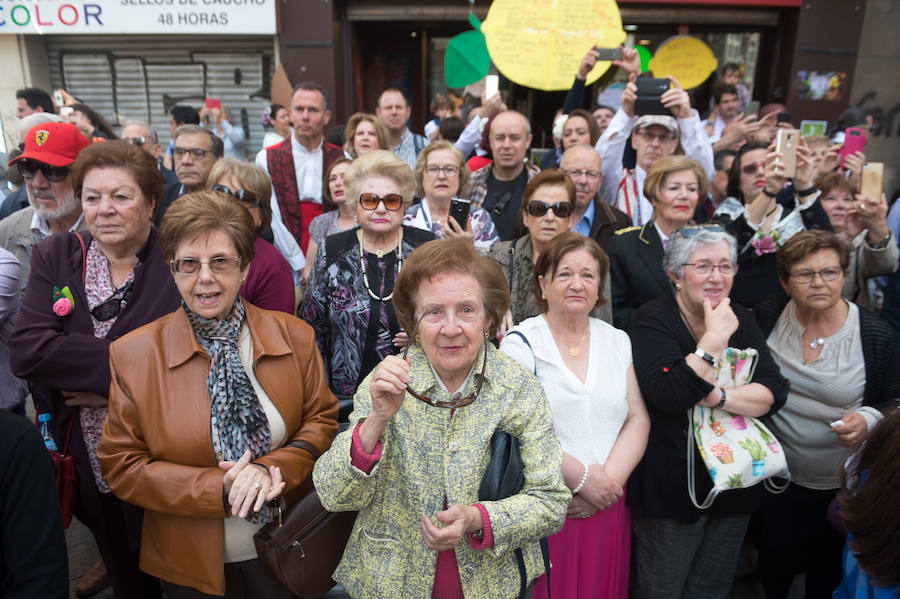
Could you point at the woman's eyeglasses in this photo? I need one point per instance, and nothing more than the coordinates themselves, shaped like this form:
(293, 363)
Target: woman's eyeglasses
(457, 403)
(538, 208)
(392, 201)
(110, 308)
(750, 169)
(247, 198)
(434, 170)
(726, 269)
(219, 266)
(55, 174)
(806, 276)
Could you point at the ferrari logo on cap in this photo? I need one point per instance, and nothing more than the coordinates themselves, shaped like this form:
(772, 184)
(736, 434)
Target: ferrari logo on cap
(40, 137)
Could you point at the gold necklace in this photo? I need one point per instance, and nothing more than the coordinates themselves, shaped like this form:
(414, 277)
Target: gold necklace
(574, 350)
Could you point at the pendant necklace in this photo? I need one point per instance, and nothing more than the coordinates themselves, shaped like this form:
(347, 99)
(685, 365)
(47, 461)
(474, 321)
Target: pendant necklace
(574, 351)
(817, 342)
(379, 252)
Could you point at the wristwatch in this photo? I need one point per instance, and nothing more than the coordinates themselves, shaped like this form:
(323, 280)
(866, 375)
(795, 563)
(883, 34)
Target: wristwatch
(707, 357)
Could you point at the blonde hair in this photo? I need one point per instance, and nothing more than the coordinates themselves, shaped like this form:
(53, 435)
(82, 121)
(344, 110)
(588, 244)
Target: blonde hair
(422, 161)
(381, 131)
(252, 178)
(379, 163)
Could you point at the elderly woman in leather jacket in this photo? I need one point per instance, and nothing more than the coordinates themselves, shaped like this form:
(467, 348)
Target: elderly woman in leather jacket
(196, 435)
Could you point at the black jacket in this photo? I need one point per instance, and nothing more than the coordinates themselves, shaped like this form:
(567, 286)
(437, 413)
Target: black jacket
(636, 271)
(607, 220)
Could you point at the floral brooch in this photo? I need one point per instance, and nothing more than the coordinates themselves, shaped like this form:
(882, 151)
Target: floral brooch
(63, 301)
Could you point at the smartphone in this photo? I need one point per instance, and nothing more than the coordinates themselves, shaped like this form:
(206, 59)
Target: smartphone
(854, 141)
(491, 85)
(752, 108)
(608, 53)
(783, 117)
(649, 91)
(872, 176)
(214, 103)
(459, 210)
(58, 98)
(786, 144)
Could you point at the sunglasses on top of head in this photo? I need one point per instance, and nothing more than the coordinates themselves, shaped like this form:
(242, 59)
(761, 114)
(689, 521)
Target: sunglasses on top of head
(560, 209)
(29, 168)
(247, 198)
(392, 201)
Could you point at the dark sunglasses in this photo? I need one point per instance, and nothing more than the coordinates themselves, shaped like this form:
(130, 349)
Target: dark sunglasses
(111, 307)
(29, 168)
(247, 198)
(750, 169)
(560, 209)
(689, 231)
(136, 141)
(457, 403)
(392, 201)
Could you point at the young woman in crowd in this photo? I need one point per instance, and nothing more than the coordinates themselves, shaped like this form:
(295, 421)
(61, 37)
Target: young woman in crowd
(277, 123)
(364, 133)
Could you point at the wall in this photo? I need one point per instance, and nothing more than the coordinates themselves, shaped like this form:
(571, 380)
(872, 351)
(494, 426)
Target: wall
(23, 62)
(877, 85)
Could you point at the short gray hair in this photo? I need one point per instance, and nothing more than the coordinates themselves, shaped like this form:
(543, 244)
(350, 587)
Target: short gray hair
(680, 248)
(216, 145)
(154, 138)
(27, 123)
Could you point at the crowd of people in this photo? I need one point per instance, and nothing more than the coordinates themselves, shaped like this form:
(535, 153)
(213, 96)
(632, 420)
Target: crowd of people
(204, 329)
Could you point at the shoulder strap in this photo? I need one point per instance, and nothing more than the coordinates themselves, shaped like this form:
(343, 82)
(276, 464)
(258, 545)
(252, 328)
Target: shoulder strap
(83, 255)
(305, 445)
(525, 339)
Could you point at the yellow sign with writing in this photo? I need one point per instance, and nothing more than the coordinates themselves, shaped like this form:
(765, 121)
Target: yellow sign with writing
(540, 43)
(685, 58)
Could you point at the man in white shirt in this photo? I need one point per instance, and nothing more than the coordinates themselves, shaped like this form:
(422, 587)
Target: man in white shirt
(725, 111)
(393, 110)
(50, 150)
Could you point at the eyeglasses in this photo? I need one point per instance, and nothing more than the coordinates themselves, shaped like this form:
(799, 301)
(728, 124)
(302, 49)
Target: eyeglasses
(110, 308)
(247, 198)
(218, 266)
(196, 153)
(726, 269)
(457, 403)
(661, 137)
(136, 141)
(29, 168)
(750, 169)
(392, 201)
(538, 208)
(689, 231)
(448, 171)
(806, 276)
(576, 173)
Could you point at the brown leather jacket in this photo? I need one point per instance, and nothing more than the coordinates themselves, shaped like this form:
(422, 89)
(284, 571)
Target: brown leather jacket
(156, 450)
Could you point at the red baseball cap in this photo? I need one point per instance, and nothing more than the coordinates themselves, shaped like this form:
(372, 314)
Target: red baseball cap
(56, 144)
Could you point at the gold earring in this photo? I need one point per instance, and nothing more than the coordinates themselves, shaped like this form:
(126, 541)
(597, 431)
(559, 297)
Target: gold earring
(243, 279)
(543, 296)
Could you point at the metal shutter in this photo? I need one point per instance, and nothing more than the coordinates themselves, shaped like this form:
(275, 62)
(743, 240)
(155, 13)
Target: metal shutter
(142, 76)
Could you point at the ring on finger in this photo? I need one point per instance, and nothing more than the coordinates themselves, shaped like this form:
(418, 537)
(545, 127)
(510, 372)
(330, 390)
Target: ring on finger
(257, 486)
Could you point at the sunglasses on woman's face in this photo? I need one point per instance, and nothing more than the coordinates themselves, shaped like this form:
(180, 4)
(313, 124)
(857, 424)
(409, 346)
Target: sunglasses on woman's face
(29, 168)
(560, 209)
(392, 201)
(247, 198)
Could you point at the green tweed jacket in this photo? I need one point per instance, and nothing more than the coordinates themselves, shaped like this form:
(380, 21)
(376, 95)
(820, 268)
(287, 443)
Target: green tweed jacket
(430, 455)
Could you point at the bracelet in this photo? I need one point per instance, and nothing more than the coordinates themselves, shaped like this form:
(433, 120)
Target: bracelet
(722, 403)
(881, 244)
(706, 357)
(807, 192)
(770, 194)
(584, 478)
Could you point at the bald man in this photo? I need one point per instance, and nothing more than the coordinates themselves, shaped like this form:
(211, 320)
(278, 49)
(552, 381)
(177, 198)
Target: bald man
(498, 187)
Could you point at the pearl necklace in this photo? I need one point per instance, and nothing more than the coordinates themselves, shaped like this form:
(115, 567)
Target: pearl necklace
(362, 266)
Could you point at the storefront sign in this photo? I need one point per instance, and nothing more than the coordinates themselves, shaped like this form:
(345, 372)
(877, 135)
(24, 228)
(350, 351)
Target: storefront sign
(237, 17)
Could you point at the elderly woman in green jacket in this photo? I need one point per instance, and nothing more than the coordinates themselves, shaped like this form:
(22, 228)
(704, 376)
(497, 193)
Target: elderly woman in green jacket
(419, 443)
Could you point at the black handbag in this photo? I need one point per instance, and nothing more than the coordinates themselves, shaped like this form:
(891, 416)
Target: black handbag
(504, 477)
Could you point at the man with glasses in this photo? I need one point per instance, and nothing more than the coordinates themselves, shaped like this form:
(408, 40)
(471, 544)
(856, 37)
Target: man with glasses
(50, 150)
(498, 187)
(141, 134)
(591, 217)
(195, 151)
(652, 137)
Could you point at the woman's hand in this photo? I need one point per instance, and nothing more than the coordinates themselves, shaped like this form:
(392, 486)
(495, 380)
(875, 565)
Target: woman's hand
(401, 340)
(853, 164)
(720, 324)
(806, 172)
(456, 520)
(587, 64)
(631, 61)
(676, 99)
(580, 507)
(599, 489)
(249, 485)
(454, 231)
(774, 170)
(388, 388)
(853, 431)
(629, 95)
(85, 398)
(506, 323)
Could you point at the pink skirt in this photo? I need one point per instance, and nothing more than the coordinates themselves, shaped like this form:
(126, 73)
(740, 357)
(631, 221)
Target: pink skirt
(590, 556)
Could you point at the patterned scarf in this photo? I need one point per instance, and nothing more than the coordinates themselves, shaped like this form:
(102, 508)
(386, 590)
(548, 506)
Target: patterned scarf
(628, 197)
(238, 422)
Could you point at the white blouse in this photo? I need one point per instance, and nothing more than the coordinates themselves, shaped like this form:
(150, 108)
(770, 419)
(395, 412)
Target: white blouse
(588, 416)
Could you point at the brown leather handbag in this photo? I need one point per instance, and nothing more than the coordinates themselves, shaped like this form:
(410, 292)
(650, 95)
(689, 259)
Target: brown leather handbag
(302, 546)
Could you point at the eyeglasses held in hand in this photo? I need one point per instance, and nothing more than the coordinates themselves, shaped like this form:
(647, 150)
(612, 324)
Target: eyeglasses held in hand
(110, 308)
(726, 269)
(392, 201)
(448, 171)
(29, 168)
(247, 198)
(538, 208)
(196, 153)
(806, 276)
(218, 266)
(457, 403)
